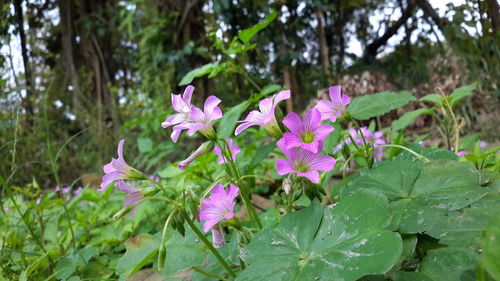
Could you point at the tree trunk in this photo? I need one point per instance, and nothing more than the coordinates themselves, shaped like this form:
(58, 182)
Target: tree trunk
(494, 14)
(27, 104)
(372, 49)
(323, 47)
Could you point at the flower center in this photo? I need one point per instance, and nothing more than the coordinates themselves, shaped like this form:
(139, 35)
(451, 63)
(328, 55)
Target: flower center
(307, 137)
(301, 167)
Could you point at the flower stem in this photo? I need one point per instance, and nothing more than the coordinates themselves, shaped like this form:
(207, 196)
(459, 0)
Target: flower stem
(208, 244)
(210, 274)
(419, 156)
(162, 251)
(235, 174)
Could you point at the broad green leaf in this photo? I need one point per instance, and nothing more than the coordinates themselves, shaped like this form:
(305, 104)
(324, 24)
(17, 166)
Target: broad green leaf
(408, 118)
(450, 264)
(341, 242)
(183, 252)
(368, 106)
(421, 195)
(262, 152)
(228, 122)
(170, 171)
(430, 153)
(198, 72)
(247, 34)
(434, 98)
(140, 250)
(461, 93)
(332, 139)
(145, 145)
(466, 227)
(64, 268)
(490, 259)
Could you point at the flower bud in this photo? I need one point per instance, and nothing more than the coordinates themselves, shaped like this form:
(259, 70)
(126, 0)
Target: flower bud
(287, 185)
(204, 148)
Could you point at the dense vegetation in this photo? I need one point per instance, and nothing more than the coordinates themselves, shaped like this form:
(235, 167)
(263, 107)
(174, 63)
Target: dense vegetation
(257, 167)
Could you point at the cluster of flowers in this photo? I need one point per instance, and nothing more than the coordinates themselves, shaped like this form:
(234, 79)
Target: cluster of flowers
(302, 146)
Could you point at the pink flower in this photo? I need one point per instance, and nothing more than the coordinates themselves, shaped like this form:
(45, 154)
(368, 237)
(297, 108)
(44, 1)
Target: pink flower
(199, 120)
(57, 188)
(461, 153)
(134, 194)
(118, 169)
(331, 110)
(303, 162)
(482, 144)
(219, 206)
(307, 134)
(66, 189)
(204, 148)
(78, 190)
(234, 150)
(374, 139)
(218, 239)
(183, 106)
(265, 117)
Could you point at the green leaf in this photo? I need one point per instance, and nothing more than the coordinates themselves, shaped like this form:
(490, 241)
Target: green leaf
(445, 264)
(170, 171)
(198, 72)
(145, 145)
(461, 93)
(408, 118)
(140, 250)
(262, 152)
(450, 264)
(466, 227)
(343, 242)
(65, 268)
(183, 252)
(490, 260)
(368, 106)
(247, 34)
(332, 139)
(421, 196)
(228, 122)
(431, 154)
(434, 98)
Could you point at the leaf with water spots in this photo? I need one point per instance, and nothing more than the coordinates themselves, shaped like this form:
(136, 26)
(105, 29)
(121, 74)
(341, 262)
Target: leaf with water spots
(421, 195)
(343, 242)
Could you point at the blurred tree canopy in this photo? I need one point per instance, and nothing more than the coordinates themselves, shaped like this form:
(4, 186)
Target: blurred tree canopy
(73, 73)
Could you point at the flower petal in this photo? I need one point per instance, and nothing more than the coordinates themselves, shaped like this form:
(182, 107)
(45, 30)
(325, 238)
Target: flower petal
(283, 167)
(293, 122)
(311, 175)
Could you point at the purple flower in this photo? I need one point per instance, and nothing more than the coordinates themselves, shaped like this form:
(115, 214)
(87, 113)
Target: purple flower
(204, 148)
(265, 117)
(234, 150)
(134, 194)
(482, 144)
(183, 106)
(374, 139)
(78, 190)
(303, 162)
(200, 120)
(331, 110)
(118, 169)
(307, 134)
(57, 189)
(67, 189)
(38, 201)
(218, 239)
(461, 153)
(219, 206)
(422, 143)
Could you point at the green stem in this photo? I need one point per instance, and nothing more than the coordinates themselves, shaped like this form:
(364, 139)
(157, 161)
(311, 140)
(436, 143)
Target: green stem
(419, 156)
(252, 82)
(208, 244)
(235, 174)
(163, 187)
(209, 274)
(162, 250)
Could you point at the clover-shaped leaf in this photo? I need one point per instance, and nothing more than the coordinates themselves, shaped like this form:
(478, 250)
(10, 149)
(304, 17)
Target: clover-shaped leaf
(343, 242)
(422, 195)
